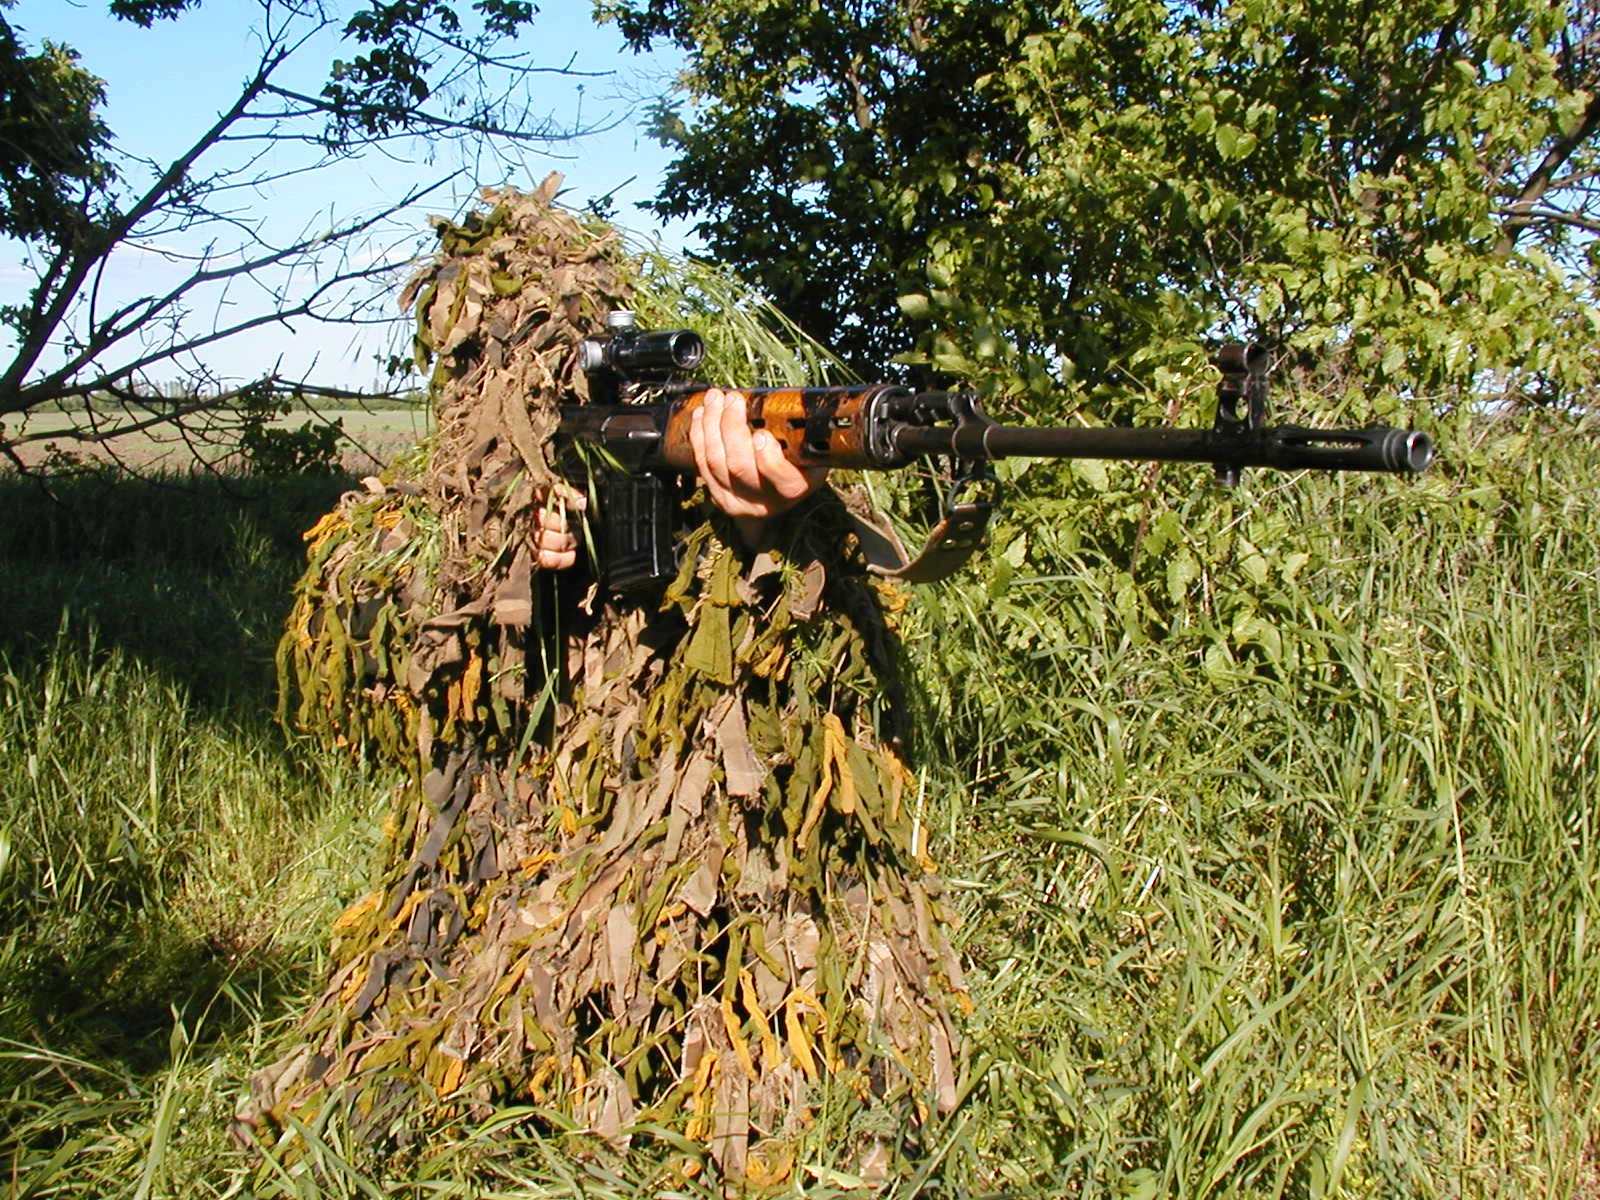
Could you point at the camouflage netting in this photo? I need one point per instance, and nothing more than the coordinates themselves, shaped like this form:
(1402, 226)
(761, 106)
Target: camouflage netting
(660, 861)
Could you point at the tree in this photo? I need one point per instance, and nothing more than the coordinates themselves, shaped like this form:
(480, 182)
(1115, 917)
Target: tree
(396, 76)
(1043, 191)
(51, 140)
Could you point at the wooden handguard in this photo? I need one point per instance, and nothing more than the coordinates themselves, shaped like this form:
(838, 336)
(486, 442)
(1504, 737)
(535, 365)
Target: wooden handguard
(817, 427)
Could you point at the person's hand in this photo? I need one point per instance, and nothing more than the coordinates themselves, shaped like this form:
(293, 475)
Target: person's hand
(555, 538)
(744, 469)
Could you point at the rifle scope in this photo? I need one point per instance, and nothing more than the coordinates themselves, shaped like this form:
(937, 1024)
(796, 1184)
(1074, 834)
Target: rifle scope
(641, 354)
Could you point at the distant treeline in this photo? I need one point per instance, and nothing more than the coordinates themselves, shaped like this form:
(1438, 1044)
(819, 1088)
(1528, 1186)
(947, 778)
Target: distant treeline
(155, 402)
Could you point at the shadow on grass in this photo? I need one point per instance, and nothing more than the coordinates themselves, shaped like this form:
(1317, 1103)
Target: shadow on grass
(188, 575)
(165, 598)
(113, 1004)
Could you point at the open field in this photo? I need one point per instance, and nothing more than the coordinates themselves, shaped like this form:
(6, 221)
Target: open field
(372, 438)
(1283, 883)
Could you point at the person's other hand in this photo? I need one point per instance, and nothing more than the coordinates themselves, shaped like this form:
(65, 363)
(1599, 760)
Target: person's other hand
(555, 537)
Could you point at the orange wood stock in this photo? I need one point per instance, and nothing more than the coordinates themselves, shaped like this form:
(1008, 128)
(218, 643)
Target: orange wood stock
(817, 427)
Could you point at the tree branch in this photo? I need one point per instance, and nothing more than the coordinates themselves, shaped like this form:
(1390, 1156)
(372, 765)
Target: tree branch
(1531, 216)
(1520, 213)
(79, 334)
(34, 341)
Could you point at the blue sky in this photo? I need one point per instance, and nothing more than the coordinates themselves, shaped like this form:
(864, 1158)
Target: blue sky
(166, 84)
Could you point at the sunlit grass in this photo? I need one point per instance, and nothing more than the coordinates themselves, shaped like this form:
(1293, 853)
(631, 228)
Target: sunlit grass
(1311, 919)
(165, 876)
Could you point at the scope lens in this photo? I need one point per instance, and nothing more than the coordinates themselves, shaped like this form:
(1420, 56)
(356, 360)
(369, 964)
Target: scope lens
(663, 350)
(686, 349)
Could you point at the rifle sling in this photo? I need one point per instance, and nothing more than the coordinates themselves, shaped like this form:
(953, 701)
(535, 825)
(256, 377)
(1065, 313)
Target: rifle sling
(960, 533)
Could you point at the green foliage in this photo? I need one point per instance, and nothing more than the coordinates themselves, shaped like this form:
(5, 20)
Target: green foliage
(168, 868)
(189, 575)
(52, 141)
(381, 89)
(274, 450)
(145, 13)
(1285, 852)
(131, 879)
(168, 877)
(1049, 190)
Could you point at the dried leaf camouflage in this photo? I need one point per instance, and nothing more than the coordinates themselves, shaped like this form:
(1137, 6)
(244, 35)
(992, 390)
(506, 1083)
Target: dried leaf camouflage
(659, 861)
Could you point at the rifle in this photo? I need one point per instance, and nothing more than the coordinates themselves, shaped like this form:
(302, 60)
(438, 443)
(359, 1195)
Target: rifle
(641, 402)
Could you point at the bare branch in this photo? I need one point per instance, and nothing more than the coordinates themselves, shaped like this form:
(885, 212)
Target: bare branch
(91, 432)
(477, 125)
(127, 320)
(1532, 216)
(117, 228)
(81, 334)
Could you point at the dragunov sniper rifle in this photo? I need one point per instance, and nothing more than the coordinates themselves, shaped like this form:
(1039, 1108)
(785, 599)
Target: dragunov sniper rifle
(641, 399)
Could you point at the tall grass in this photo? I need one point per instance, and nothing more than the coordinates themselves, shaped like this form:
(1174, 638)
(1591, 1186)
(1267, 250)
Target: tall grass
(187, 574)
(167, 864)
(1304, 914)
(1279, 880)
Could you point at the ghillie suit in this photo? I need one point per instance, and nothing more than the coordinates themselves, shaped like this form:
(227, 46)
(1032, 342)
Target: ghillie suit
(661, 859)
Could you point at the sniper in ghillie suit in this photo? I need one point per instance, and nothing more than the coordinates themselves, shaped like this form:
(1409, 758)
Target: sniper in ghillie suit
(658, 864)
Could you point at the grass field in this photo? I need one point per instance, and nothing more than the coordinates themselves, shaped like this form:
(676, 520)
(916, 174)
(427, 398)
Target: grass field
(1280, 880)
(371, 438)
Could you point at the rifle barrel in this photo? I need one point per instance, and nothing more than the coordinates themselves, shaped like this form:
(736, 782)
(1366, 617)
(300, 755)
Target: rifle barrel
(1287, 447)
